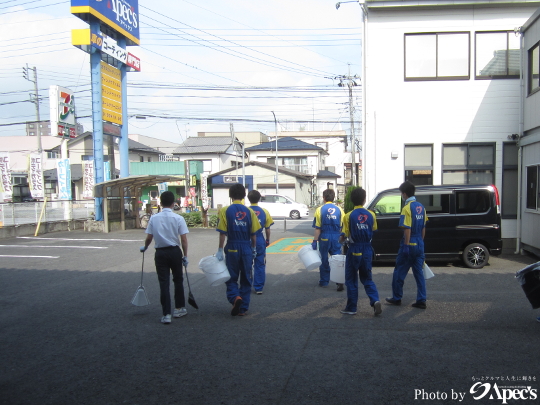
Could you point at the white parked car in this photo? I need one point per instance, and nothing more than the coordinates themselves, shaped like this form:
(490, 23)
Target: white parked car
(283, 206)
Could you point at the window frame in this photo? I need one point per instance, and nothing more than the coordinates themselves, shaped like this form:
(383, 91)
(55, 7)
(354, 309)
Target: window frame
(530, 80)
(436, 78)
(468, 168)
(536, 190)
(416, 168)
(494, 77)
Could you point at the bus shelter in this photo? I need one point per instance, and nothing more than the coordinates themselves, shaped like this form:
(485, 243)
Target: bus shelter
(120, 200)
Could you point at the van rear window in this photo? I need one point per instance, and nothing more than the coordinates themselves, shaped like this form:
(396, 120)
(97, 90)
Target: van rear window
(470, 202)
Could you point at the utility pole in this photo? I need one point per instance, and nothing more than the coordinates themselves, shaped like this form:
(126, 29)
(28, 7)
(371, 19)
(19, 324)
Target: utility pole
(277, 182)
(26, 75)
(350, 82)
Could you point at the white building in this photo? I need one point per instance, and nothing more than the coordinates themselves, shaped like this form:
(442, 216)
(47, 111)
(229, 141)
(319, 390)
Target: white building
(216, 152)
(304, 157)
(338, 159)
(442, 95)
(530, 138)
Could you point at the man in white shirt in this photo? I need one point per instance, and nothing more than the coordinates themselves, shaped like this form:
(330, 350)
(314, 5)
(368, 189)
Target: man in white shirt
(164, 228)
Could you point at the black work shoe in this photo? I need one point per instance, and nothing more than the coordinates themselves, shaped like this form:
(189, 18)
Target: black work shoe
(236, 306)
(339, 286)
(393, 301)
(419, 304)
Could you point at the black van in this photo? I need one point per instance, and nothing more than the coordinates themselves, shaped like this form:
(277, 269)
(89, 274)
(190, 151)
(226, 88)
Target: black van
(463, 220)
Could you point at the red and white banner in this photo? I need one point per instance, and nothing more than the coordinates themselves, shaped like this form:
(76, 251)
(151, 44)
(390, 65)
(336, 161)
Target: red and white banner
(5, 174)
(35, 175)
(88, 179)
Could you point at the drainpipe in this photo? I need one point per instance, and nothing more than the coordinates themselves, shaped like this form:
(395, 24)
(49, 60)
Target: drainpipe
(520, 134)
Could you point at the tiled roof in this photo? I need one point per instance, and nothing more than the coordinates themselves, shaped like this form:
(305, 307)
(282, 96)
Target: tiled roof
(204, 144)
(327, 173)
(281, 169)
(285, 143)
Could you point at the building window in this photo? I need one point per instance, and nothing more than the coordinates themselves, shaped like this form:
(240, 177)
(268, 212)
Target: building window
(497, 55)
(19, 180)
(30, 125)
(419, 164)
(53, 155)
(87, 157)
(141, 158)
(323, 145)
(297, 163)
(331, 169)
(149, 159)
(534, 68)
(32, 133)
(437, 56)
(509, 205)
(468, 164)
(532, 188)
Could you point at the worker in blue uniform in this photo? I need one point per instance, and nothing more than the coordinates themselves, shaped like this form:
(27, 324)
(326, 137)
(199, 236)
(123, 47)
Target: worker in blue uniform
(327, 223)
(358, 227)
(238, 225)
(411, 250)
(263, 240)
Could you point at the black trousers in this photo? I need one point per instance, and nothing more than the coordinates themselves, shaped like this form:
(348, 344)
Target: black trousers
(169, 260)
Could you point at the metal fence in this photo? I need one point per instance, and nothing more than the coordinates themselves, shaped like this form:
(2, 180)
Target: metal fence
(30, 212)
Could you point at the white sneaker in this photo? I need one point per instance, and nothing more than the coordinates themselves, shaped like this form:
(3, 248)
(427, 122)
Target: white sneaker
(178, 313)
(166, 319)
(377, 308)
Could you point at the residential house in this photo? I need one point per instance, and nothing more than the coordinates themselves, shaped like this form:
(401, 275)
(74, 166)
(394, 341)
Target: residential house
(260, 176)
(529, 141)
(216, 152)
(335, 143)
(442, 95)
(299, 156)
(81, 149)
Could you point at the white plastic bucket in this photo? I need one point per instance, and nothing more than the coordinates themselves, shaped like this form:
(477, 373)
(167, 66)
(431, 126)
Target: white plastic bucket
(337, 268)
(311, 259)
(215, 270)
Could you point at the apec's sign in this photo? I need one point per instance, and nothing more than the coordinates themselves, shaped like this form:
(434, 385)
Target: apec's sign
(120, 15)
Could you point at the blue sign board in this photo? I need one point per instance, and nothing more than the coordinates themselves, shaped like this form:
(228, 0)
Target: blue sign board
(120, 15)
(64, 179)
(107, 168)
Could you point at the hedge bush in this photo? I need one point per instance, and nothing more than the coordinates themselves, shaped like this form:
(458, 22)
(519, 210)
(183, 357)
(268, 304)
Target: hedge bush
(349, 206)
(194, 219)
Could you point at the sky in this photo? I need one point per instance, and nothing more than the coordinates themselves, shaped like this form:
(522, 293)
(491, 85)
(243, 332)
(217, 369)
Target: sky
(204, 65)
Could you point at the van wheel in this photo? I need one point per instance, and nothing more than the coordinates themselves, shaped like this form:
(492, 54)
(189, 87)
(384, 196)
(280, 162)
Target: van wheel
(475, 256)
(294, 215)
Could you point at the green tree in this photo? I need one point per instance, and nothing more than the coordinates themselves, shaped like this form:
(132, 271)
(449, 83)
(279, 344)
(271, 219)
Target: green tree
(349, 206)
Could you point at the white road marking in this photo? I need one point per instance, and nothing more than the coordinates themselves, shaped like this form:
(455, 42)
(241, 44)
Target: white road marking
(83, 240)
(55, 246)
(41, 257)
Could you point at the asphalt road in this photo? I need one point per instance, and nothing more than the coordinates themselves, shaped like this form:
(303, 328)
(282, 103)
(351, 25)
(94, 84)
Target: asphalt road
(70, 335)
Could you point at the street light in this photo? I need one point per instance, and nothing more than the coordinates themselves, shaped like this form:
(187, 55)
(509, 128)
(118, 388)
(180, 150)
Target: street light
(275, 123)
(339, 3)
